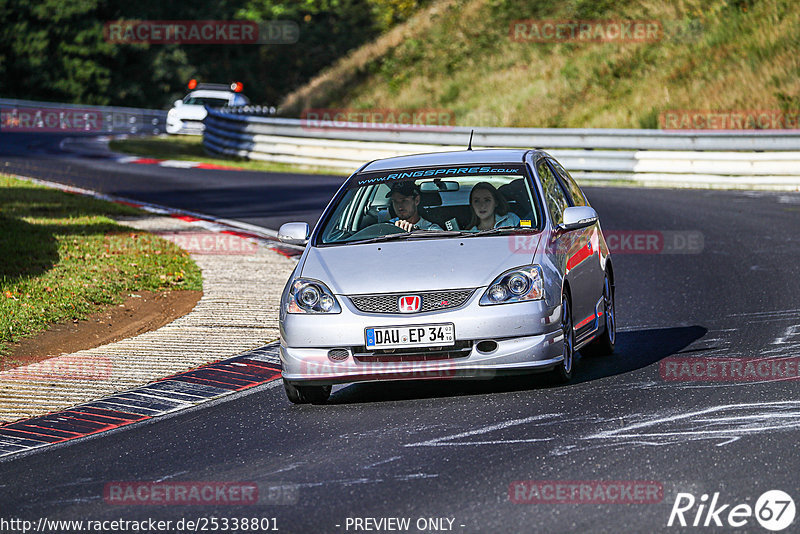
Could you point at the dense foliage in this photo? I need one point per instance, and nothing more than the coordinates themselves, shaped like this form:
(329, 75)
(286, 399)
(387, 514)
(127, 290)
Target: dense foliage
(55, 50)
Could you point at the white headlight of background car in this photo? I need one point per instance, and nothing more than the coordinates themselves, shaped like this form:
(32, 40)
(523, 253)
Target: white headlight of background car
(516, 285)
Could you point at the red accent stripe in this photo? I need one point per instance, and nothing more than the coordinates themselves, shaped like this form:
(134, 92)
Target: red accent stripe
(578, 257)
(585, 321)
(147, 161)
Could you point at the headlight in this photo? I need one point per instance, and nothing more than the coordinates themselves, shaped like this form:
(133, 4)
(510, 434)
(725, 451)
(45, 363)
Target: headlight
(311, 296)
(524, 283)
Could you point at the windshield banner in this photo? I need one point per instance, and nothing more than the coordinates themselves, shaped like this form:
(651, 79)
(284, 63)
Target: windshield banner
(441, 172)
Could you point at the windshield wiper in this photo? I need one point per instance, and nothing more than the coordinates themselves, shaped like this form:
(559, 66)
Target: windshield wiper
(503, 230)
(440, 233)
(406, 235)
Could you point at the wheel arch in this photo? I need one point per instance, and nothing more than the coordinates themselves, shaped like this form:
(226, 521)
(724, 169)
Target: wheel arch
(610, 270)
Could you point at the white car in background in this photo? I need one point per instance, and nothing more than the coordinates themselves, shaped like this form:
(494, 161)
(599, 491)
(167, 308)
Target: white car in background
(186, 115)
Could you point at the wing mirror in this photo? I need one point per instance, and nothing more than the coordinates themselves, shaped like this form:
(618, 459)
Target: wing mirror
(177, 103)
(294, 233)
(576, 217)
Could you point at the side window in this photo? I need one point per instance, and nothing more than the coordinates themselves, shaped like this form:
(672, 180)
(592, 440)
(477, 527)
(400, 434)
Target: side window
(578, 198)
(554, 196)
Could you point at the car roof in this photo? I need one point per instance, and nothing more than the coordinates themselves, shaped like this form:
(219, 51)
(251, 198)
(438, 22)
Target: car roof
(459, 157)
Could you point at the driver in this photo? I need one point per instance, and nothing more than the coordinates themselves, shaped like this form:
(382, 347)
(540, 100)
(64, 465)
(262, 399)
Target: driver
(405, 200)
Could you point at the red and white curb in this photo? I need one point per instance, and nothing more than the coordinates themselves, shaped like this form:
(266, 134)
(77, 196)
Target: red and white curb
(266, 236)
(176, 163)
(171, 394)
(235, 316)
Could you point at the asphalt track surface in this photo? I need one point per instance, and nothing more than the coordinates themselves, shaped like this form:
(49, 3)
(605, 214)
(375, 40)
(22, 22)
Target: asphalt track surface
(452, 449)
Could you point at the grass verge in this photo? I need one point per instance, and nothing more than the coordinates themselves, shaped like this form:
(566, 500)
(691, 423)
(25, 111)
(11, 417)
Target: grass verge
(190, 148)
(459, 55)
(62, 257)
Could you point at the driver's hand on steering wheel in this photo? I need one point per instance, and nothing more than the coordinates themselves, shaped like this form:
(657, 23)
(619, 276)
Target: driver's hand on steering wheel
(405, 225)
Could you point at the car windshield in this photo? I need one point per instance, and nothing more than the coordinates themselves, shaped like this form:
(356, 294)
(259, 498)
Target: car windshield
(438, 202)
(205, 101)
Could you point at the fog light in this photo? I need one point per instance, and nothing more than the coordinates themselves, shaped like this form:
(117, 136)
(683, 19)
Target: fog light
(338, 355)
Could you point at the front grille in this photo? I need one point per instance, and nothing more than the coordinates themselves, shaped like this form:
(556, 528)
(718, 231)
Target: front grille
(461, 349)
(431, 301)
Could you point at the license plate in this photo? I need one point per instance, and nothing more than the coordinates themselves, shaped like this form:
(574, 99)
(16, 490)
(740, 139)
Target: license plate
(424, 335)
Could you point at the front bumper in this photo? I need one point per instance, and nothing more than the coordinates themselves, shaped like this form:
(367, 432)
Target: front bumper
(185, 126)
(527, 335)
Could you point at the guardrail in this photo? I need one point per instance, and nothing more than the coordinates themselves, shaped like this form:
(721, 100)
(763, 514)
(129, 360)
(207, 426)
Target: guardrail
(31, 116)
(748, 159)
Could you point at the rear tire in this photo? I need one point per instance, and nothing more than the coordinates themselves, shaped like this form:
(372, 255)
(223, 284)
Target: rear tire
(603, 345)
(563, 371)
(306, 394)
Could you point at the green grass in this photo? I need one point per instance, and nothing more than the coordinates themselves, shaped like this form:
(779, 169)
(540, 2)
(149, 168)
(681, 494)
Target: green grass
(64, 257)
(457, 55)
(190, 148)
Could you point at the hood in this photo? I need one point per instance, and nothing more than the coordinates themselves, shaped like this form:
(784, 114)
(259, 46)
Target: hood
(418, 265)
(189, 112)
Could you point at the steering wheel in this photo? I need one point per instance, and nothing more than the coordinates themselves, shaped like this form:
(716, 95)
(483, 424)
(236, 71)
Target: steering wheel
(377, 230)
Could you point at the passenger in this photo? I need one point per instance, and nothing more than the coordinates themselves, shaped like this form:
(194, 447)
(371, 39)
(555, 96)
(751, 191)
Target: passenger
(405, 200)
(489, 208)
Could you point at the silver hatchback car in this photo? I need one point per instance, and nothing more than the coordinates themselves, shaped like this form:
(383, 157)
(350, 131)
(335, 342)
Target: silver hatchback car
(461, 264)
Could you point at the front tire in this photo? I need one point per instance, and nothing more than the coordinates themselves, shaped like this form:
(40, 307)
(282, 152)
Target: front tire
(603, 345)
(306, 394)
(563, 372)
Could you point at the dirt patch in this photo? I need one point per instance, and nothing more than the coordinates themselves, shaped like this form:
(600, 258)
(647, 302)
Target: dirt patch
(141, 312)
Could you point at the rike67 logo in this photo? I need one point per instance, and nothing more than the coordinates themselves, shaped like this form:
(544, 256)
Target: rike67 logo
(774, 510)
